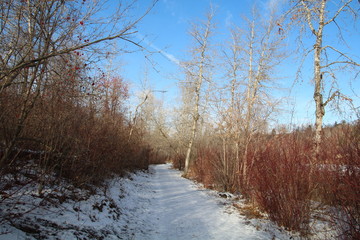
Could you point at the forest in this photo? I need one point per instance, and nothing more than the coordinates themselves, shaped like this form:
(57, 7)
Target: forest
(63, 114)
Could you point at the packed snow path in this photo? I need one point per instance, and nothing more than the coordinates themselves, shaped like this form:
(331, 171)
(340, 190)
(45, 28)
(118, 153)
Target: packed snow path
(158, 204)
(167, 206)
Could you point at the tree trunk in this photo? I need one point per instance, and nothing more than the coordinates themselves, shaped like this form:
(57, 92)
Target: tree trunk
(201, 39)
(249, 102)
(196, 117)
(318, 80)
(191, 142)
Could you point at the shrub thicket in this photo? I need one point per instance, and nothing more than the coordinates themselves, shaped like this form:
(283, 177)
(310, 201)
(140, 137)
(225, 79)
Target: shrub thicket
(284, 180)
(79, 136)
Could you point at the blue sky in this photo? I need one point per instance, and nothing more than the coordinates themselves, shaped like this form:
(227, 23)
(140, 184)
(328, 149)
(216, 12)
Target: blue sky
(166, 29)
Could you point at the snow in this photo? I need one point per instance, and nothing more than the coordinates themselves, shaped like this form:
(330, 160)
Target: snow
(177, 209)
(158, 204)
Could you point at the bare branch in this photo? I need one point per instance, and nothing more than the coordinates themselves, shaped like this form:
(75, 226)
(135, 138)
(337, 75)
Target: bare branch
(308, 17)
(124, 35)
(135, 117)
(335, 94)
(340, 62)
(350, 60)
(338, 12)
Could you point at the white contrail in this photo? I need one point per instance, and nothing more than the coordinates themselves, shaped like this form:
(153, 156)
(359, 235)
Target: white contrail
(167, 55)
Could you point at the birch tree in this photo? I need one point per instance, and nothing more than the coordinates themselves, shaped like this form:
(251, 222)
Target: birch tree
(318, 16)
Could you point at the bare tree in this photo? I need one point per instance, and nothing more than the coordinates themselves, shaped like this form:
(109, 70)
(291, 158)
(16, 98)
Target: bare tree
(50, 27)
(196, 72)
(227, 101)
(261, 54)
(317, 16)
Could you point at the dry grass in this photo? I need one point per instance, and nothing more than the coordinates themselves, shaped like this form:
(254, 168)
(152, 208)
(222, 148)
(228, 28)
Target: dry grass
(249, 210)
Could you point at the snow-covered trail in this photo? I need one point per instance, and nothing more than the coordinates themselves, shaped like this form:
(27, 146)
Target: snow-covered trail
(167, 206)
(158, 204)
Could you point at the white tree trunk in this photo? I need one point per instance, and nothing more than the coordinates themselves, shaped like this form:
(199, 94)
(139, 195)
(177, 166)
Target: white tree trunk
(201, 39)
(319, 102)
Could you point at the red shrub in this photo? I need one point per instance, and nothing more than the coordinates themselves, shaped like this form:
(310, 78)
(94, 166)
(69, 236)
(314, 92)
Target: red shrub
(281, 180)
(203, 168)
(340, 177)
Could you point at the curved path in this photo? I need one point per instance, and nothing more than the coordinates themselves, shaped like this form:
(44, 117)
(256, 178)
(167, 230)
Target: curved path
(163, 205)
